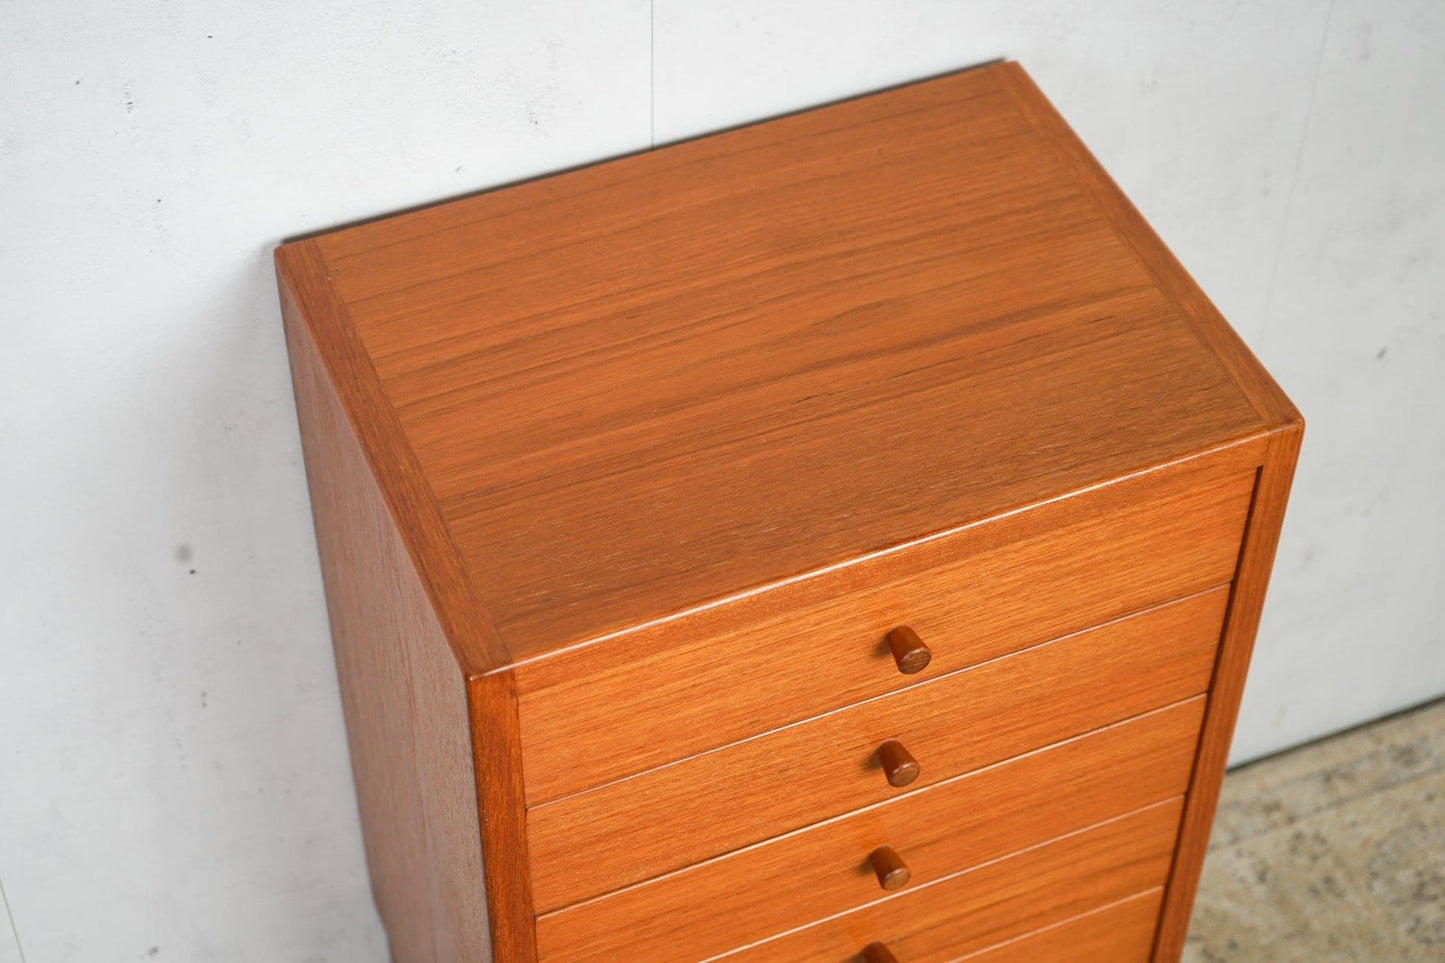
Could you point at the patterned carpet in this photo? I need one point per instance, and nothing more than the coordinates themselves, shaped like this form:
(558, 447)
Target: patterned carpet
(1334, 851)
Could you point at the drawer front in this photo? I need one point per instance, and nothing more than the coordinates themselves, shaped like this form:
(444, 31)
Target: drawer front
(672, 689)
(1033, 891)
(673, 816)
(1121, 932)
(937, 832)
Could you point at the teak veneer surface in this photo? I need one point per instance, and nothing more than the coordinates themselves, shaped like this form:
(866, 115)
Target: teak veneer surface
(820, 871)
(639, 827)
(1006, 899)
(621, 477)
(1120, 933)
(405, 703)
(590, 716)
(636, 388)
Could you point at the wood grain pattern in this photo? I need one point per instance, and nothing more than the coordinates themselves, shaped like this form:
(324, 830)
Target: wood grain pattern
(492, 703)
(389, 461)
(1237, 642)
(1005, 900)
(640, 827)
(1252, 378)
(792, 880)
(588, 453)
(1118, 933)
(402, 694)
(740, 338)
(1287, 428)
(647, 698)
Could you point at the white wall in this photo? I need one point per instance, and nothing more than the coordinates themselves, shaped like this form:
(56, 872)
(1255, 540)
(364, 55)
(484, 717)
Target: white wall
(173, 774)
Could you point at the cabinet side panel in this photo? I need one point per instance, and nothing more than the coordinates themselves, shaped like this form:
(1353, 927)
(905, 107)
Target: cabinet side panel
(1236, 644)
(443, 740)
(402, 692)
(498, 748)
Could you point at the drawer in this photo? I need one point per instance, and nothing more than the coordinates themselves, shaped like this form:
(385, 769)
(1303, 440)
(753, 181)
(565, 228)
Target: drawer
(1121, 932)
(764, 890)
(977, 910)
(670, 817)
(672, 689)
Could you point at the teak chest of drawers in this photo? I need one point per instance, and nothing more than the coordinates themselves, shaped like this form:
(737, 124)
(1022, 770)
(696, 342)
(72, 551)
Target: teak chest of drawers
(837, 538)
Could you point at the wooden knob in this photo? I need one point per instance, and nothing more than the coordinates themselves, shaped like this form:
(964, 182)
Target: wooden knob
(889, 867)
(900, 767)
(908, 650)
(878, 953)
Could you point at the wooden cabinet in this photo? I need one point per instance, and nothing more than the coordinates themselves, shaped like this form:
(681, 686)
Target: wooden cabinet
(837, 538)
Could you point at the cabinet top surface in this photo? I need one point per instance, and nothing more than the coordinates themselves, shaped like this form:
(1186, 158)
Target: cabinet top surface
(642, 386)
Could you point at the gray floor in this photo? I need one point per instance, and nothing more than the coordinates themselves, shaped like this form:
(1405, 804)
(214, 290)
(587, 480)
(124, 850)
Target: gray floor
(1335, 851)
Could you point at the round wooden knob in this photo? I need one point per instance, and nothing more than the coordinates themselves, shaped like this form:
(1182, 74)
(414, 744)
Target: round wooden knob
(908, 650)
(900, 767)
(889, 867)
(878, 953)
